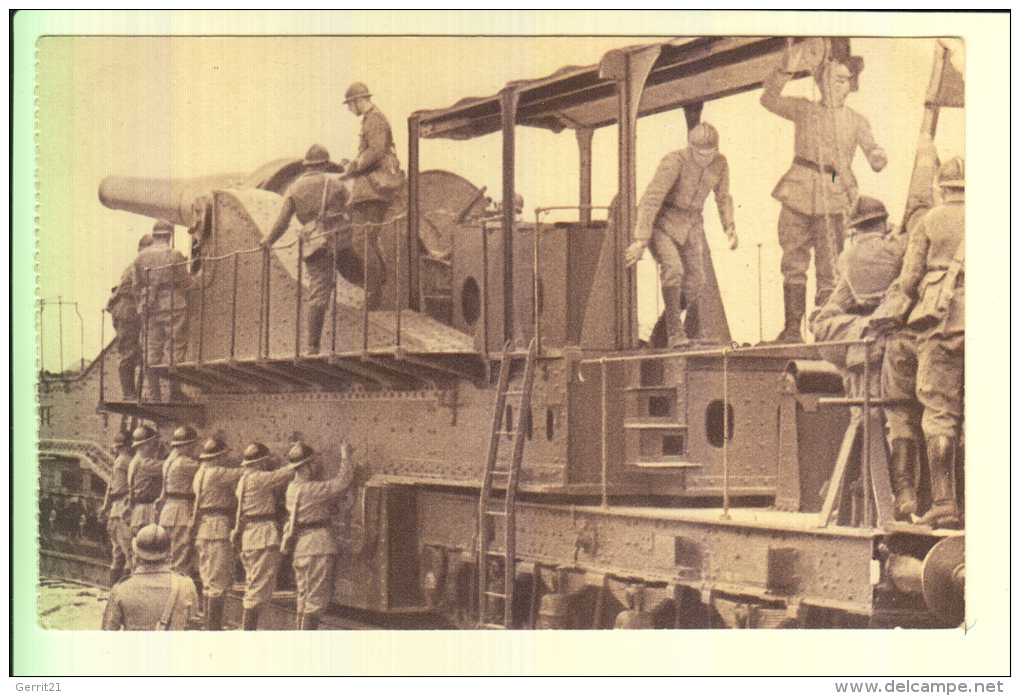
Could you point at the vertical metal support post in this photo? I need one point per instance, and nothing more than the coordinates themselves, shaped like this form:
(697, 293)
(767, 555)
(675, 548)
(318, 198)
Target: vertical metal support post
(263, 303)
(413, 212)
(201, 312)
(332, 333)
(869, 502)
(726, 433)
(398, 300)
(102, 342)
(535, 326)
(508, 97)
(297, 308)
(485, 292)
(233, 309)
(60, 329)
(364, 309)
(605, 435)
(584, 139)
(144, 369)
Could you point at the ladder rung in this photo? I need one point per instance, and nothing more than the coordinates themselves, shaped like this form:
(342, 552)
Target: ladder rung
(500, 627)
(496, 512)
(496, 554)
(490, 593)
(506, 432)
(514, 392)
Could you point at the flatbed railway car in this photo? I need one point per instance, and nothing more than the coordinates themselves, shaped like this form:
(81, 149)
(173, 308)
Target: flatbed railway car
(523, 461)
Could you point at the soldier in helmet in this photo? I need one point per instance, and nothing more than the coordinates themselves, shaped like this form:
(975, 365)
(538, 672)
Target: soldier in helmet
(926, 302)
(212, 520)
(370, 201)
(123, 309)
(819, 188)
(177, 499)
(319, 200)
(670, 219)
(308, 529)
(256, 532)
(161, 282)
(115, 507)
(154, 597)
(145, 478)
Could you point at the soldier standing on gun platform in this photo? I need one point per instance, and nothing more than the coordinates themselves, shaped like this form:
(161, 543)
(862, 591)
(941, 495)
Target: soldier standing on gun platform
(375, 177)
(819, 188)
(123, 309)
(256, 532)
(210, 526)
(308, 531)
(115, 508)
(176, 502)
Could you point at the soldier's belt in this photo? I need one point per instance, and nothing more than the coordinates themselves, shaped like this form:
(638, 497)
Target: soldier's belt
(803, 162)
(259, 518)
(215, 511)
(307, 526)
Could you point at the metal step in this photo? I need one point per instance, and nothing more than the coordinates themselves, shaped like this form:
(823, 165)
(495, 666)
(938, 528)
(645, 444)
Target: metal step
(653, 424)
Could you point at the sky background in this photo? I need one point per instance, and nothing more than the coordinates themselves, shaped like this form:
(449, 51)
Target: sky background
(192, 106)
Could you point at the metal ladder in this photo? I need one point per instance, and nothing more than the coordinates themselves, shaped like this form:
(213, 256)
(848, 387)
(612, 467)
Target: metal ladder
(489, 507)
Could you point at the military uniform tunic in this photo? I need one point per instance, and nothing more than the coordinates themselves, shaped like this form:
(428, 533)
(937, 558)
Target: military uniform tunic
(116, 505)
(145, 481)
(308, 505)
(214, 495)
(178, 499)
(138, 602)
(819, 188)
(260, 534)
(160, 290)
(670, 216)
(123, 309)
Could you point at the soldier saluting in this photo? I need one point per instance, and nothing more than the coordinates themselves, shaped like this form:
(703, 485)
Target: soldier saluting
(308, 529)
(255, 528)
(145, 478)
(177, 500)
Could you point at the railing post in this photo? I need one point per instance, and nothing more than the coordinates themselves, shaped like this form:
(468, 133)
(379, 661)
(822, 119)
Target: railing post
(726, 433)
(333, 247)
(233, 309)
(143, 376)
(201, 312)
(297, 310)
(534, 286)
(102, 367)
(60, 325)
(398, 298)
(605, 435)
(869, 506)
(364, 286)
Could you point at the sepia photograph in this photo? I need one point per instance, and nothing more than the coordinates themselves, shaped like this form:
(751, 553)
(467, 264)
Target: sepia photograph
(425, 334)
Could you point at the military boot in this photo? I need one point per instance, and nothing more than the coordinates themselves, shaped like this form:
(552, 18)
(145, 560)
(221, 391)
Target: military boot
(129, 388)
(315, 321)
(214, 617)
(794, 304)
(672, 299)
(942, 461)
(902, 468)
(692, 323)
(250, 619)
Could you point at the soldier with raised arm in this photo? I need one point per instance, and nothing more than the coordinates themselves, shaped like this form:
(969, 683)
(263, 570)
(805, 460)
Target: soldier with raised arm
(213, 518)
(145, 478)
(308, 530)
(670, 220)
(256, 531)
(178, 498)
(819, 188)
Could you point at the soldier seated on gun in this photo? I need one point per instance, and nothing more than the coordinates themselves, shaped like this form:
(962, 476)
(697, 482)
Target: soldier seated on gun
(153, 597)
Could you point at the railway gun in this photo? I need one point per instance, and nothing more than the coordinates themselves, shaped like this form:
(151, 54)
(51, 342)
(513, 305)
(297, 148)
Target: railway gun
(522, 460)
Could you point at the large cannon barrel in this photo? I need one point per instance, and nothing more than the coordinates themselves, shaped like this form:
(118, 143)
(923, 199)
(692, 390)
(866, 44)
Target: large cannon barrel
(180, 200)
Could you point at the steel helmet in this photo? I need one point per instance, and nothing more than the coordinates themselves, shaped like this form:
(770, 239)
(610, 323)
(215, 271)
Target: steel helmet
(867, 209)
(152, 543)
(213, 447)
(141, 435)
(357, 90)
(145, 242)
(951, 173)
(873, 263)
(704, 138)
(316, 154)
(122, 439)
(162, 227)
(300, 453)
(255, 453)
(184, 435)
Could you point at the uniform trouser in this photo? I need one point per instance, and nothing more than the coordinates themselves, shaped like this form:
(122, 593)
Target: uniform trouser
(313, 576)
(260, 568)
(320, 271)
(681, 264)
(182, 553)
(899, 381)
(130, 351)
(798, 235)
(165, 338)
(142, 514)
(929, 367)
(120, 541)
(215, 565)
(366, 220)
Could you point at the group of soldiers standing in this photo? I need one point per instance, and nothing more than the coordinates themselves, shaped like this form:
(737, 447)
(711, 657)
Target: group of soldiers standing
(181, 522)
(901, 289)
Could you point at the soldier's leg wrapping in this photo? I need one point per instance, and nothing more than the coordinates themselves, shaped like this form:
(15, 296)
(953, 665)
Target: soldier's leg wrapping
(216, 564)
(671, 275)
(366, 221)
(179, 328)
(301, 573)
(181, 551)
(940, 384)
(119, 561)
(320, 281)
(827, 233)
(795, 240)
(692, 254)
